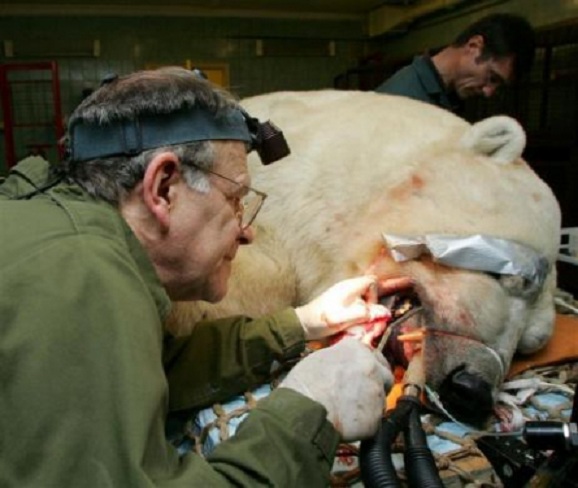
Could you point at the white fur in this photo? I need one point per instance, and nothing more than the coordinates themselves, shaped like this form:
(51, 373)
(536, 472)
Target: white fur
(363, 164)
(500, 138)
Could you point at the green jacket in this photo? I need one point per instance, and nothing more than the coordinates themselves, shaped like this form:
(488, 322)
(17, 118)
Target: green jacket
(87, 375)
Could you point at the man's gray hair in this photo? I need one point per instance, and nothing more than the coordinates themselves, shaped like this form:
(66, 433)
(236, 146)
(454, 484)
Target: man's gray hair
(160, 91)
(110, 179)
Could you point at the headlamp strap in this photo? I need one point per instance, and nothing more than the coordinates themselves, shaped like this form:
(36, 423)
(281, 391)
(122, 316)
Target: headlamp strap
(130, 137)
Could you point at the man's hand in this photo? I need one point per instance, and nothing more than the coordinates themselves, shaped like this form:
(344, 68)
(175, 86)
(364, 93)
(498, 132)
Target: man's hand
(350, 381)
(347, 303)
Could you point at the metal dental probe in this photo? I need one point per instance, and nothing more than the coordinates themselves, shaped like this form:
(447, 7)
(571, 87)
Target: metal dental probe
(395, 323)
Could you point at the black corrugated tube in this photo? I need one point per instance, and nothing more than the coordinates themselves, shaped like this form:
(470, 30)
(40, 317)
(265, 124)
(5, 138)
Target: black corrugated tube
(375, 463)
(420, 465)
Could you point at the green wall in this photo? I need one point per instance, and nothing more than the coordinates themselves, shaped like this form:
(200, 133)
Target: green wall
(131, 43)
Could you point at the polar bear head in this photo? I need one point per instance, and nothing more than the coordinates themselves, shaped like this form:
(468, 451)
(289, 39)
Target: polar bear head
(364, 165)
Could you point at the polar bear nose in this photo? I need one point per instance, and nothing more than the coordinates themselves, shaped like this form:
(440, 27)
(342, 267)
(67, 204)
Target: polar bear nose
(467, 396)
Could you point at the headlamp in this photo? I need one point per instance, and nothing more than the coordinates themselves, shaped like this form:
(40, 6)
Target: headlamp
(267, 139)
(131, 137)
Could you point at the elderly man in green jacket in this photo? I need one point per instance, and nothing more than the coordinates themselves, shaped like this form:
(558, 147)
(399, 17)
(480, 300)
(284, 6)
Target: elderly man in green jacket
(150, 207)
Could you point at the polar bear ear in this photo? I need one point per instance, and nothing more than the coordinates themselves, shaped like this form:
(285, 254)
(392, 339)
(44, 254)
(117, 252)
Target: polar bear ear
(500, 138)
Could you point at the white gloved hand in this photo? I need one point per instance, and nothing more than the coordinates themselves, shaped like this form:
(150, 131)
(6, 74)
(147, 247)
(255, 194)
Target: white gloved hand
(349, 302)
(350, 381)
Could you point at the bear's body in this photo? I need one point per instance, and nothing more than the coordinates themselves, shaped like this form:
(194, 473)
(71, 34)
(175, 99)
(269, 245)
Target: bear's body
(366, 164)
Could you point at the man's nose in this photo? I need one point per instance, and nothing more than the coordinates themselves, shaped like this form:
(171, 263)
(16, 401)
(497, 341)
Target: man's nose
(247, 235)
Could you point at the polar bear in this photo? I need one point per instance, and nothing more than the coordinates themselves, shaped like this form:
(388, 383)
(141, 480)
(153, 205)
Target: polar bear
(364, 165)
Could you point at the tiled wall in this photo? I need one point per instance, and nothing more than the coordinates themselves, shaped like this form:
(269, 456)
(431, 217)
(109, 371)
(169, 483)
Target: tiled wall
(128, 43)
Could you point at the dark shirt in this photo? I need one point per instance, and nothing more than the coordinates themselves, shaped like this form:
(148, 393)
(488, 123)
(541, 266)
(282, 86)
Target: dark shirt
(421, 81)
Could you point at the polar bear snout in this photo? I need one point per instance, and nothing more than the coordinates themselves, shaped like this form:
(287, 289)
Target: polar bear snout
(464, 372)
(467, 396)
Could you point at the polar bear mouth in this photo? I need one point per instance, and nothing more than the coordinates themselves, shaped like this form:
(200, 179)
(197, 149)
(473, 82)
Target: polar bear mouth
(403, 306)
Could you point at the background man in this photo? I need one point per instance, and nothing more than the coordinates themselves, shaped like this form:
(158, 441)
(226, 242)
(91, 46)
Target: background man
(487, 55)
(151, 207)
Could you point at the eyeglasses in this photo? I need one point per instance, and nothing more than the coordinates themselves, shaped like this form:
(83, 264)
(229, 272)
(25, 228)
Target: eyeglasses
(246, 208)
(499, 72)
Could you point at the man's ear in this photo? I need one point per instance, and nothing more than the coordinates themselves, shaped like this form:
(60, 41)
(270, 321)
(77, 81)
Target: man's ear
(160, 178)
(476, 44)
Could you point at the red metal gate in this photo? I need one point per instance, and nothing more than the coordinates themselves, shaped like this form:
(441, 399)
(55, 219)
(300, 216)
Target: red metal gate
(32, 114)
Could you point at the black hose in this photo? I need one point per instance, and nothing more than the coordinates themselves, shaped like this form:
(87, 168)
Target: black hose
(375, 463)
(420, 466)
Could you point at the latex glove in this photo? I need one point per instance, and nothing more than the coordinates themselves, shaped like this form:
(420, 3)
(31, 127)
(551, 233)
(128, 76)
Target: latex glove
(349, 302)
(350, 381)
